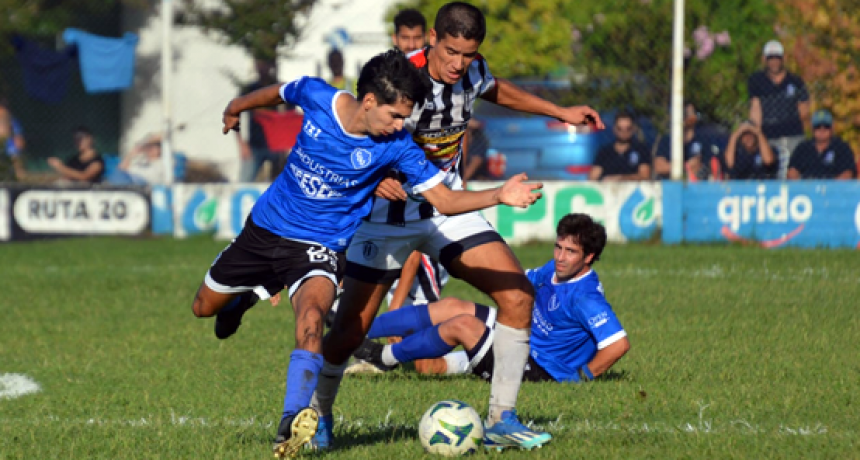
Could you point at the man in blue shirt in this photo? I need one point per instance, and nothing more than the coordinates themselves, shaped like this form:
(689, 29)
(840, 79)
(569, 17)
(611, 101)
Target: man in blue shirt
(298, 229)
(779, 104)
(825, 156)
(700, 150)
(625, 158)
(748, 155)
(575, 335)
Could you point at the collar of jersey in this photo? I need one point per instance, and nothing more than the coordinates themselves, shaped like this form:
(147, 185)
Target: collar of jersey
(337, 117)
(570, 281)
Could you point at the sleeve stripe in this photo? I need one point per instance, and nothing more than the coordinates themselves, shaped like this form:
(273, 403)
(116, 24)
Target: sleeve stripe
(611, 339)
(429, 183)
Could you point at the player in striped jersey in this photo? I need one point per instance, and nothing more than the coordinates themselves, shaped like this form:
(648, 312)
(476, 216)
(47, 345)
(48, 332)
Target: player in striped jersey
(466, 244)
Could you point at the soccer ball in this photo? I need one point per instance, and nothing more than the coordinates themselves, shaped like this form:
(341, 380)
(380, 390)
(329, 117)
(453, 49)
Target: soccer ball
(451, 428)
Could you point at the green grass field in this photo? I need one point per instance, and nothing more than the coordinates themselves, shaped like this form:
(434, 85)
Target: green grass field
(736, 353)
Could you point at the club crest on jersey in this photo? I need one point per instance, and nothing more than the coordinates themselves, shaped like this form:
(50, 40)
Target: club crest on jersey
(361, 158)
(553, 303)
(314, 186)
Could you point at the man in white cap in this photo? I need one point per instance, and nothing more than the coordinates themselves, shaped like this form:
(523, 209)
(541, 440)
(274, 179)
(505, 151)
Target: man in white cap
(779, 104)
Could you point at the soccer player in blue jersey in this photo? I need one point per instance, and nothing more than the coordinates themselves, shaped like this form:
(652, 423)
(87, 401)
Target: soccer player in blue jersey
(298, 229)
(575, 334)
(467, 245)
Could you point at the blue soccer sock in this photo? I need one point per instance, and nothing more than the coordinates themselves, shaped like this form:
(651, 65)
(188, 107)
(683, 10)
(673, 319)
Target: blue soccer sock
(426, 343)
(245, 299)
(402, 322)
(302, 378)
(232, 304)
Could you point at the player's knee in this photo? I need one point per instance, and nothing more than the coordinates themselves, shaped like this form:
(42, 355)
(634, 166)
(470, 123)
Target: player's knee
(515, 309)
(455, 306)
(460, 328)
(201, 308)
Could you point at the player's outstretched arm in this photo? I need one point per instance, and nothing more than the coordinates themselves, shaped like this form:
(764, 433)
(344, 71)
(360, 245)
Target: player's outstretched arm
(515, 192)
(268, 96)
(512, 96)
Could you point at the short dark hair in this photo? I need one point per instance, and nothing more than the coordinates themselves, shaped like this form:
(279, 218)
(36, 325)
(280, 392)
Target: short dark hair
(335, 62)
(624, 113)
(409, 18)
(390, 77)
(585, 231)
(459, 19)
(81, 129)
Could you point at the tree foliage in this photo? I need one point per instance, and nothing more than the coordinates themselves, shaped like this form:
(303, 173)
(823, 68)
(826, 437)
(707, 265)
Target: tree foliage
(260, 26)
(624, 51)
(823, 38)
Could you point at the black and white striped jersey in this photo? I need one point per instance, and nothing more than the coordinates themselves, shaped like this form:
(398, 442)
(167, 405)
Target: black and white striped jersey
(438, 125)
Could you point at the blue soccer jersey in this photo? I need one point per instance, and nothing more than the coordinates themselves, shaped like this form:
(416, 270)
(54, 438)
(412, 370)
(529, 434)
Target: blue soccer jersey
(327, 185)
(570, 322)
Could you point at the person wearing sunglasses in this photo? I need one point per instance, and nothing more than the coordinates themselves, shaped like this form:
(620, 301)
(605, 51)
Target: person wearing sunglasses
(825, 156)
(625, 158)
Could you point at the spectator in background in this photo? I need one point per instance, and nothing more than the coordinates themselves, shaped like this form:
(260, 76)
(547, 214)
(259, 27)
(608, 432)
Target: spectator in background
(697, 151)
(625, 159)
(825, 156)
(11, 145)
(335, 65)
(410, 29)
(142, 166)
(255, 150)
(779, 104)
(748, 155)
(477, 161)
(86, 167)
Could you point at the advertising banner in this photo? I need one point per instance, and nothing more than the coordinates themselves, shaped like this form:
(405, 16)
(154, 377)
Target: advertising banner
(48, 212)
(212, 208)
(770, 214)
(630, 211)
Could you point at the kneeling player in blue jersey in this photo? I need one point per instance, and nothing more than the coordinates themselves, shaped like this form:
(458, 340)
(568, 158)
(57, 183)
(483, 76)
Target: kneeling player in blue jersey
(575, 335)
(298, 229)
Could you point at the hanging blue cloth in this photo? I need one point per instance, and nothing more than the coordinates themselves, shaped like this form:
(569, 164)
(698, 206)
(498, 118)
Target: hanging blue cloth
(107, 64)
(46, 72)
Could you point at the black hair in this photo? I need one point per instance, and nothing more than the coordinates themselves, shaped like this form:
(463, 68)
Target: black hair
(624, 113)
(335, 62)
(409, 18)
(81, 129)
(585, 231)
(459, 19)
(390, 77)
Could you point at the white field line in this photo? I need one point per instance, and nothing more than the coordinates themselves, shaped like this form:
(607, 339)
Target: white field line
(17, 385)
(699, 425)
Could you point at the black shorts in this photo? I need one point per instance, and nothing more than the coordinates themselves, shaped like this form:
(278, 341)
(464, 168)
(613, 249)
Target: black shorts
(532, 373)
(260, 261)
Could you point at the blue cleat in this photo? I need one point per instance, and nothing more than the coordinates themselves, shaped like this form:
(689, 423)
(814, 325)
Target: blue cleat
(324, 437)
(509, 432)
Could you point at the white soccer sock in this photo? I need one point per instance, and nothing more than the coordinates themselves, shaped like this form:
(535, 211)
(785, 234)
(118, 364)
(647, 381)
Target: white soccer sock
(388, 356)
(511, 352)
(327, 387)
(457, 361)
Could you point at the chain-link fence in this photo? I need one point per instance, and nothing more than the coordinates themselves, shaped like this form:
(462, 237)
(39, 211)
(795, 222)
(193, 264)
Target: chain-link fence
(42, 89)
(751, 110)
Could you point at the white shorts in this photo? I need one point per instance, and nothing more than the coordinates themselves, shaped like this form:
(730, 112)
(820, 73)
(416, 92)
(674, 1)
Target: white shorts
(378, 250)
